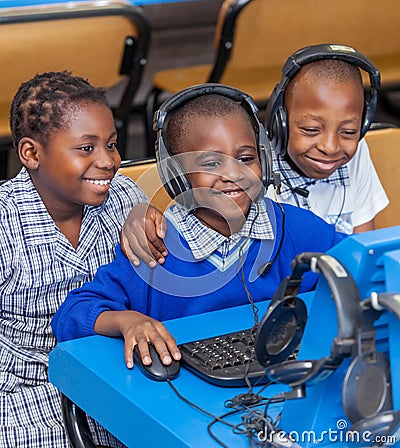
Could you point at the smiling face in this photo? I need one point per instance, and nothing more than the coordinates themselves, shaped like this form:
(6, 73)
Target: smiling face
(77, 163)
(324, 118)
(220, 157)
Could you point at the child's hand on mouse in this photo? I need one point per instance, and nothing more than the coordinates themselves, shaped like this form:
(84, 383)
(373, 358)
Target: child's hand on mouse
(138, 329)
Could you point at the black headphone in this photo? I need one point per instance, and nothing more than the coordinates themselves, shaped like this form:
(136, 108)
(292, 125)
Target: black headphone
(276, 116)
(367, 391)
(282, 326)
(170, 169)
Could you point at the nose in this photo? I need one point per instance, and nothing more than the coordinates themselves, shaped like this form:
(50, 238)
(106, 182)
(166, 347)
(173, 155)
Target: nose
(232, 170)
(328, 143)
(106, 159)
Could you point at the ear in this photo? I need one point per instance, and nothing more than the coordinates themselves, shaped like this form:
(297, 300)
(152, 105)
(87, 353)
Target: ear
(28, 153)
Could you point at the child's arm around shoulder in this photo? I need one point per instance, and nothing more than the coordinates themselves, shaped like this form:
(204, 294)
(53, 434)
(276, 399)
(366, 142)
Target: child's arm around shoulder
(142, 235)
(143, 226)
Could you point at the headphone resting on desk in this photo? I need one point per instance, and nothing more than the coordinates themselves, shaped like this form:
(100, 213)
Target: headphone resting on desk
(276, 115)
(367, 387)
(282, 327)
(170, 169)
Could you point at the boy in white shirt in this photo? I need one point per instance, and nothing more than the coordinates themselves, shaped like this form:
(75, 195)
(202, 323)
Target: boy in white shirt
(316, 118)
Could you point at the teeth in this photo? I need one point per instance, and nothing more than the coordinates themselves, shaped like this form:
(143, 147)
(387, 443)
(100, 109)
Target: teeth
(232, 193)
(98, 182)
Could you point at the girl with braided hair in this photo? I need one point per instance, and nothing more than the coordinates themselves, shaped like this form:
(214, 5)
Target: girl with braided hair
(60, 219)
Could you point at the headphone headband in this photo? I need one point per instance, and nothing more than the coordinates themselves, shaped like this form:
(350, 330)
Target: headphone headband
(344, 290)
(186, 95)
(331, 51)
(171, 171)
(276, 115)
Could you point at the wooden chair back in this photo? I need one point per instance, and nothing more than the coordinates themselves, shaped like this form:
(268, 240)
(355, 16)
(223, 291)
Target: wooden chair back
(384, 145)
(104, 42)
(253, 39)
(145, 174)
(268, 31)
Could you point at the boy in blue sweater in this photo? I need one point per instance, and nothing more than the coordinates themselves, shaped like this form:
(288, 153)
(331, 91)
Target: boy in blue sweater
(228, 244)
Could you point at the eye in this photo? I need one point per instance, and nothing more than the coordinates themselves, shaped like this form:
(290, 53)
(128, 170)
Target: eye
(310, 131)
(86, 148)
(113, 146)
(246, 159)
(350, 133)
(210, 164)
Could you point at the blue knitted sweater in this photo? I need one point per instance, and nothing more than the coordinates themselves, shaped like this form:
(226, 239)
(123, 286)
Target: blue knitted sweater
(184, 286)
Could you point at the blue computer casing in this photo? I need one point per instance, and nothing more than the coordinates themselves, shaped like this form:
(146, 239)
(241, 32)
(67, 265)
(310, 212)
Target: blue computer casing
(373, 259)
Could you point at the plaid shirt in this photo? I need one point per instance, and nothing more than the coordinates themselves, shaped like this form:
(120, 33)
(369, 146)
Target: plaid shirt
(204, 241)
(290, 179)
(38, 266)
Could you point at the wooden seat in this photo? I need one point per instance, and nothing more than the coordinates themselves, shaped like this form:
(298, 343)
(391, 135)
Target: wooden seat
(253, 39)
(384, 145)
(104, 42)
(145, 174)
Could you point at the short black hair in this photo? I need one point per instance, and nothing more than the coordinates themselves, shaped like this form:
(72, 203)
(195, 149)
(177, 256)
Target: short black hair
(327, 71)
(179, 121)
(43, 104)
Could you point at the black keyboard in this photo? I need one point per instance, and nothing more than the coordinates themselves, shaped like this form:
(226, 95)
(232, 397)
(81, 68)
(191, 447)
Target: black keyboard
(224, 360)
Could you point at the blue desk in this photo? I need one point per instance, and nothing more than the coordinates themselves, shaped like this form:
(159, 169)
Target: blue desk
(92, 371)
(139, 411)
(14, 3)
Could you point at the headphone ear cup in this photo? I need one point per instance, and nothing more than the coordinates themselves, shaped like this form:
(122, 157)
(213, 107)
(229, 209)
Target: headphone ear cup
(279, 131)
(280, 331)
(175, 180)
(265, 171)
(367, 388)
(369, 113)
(178, 185)
(265, 156)
(173, 176)
(281, 324)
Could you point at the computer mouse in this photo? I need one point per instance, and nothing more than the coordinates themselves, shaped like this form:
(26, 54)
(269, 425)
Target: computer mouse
(156, 371)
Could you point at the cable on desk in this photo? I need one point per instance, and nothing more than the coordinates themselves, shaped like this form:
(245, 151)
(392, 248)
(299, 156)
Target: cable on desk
(194, 405)
(257, 421)
(252, 423)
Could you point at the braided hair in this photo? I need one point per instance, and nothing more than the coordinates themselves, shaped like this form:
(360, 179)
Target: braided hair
(43, 104)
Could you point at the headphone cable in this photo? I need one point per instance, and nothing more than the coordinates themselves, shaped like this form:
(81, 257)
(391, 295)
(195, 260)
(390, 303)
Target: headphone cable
(263, 269)
(342, 206)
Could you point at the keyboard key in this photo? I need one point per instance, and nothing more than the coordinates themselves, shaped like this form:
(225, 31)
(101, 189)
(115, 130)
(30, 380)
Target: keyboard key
(224, 359)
